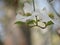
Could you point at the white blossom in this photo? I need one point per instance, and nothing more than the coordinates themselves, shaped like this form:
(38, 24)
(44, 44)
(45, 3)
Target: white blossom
(45, 8)
(22, 18)
(43, 11)
(28, 8)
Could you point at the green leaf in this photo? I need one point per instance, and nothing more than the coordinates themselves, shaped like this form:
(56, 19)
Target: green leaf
(38, 20)
(44, 23)
(28, 14)
(30, 22)
(19, 22)
(49, 23)
(51, 15)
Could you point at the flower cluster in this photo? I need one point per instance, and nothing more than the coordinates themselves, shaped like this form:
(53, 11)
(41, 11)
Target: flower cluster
(43, 14)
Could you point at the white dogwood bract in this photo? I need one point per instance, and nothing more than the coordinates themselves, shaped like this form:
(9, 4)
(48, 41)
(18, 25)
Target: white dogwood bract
(46, 9)
(42, 12)
(36, 13)
(22, 18)
(28, 8)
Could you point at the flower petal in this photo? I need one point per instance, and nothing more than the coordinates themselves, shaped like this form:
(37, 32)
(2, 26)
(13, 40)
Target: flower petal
(28, 8)
(23, 18)
(20, 18)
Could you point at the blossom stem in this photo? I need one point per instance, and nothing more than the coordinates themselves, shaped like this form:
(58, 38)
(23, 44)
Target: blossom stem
(36, 21)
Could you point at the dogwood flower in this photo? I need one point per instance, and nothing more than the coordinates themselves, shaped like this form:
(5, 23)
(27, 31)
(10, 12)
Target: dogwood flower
(46, 9)
(22, 18)
(34, 14)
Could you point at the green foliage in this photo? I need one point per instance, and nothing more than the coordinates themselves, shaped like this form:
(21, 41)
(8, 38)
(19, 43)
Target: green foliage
(28, 14)
(44, 23)
(38, 20)
(48, 23)
(31, 22)
(19, 22)
(51, 15)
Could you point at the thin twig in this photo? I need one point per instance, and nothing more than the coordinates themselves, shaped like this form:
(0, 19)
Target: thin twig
(33, 5)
